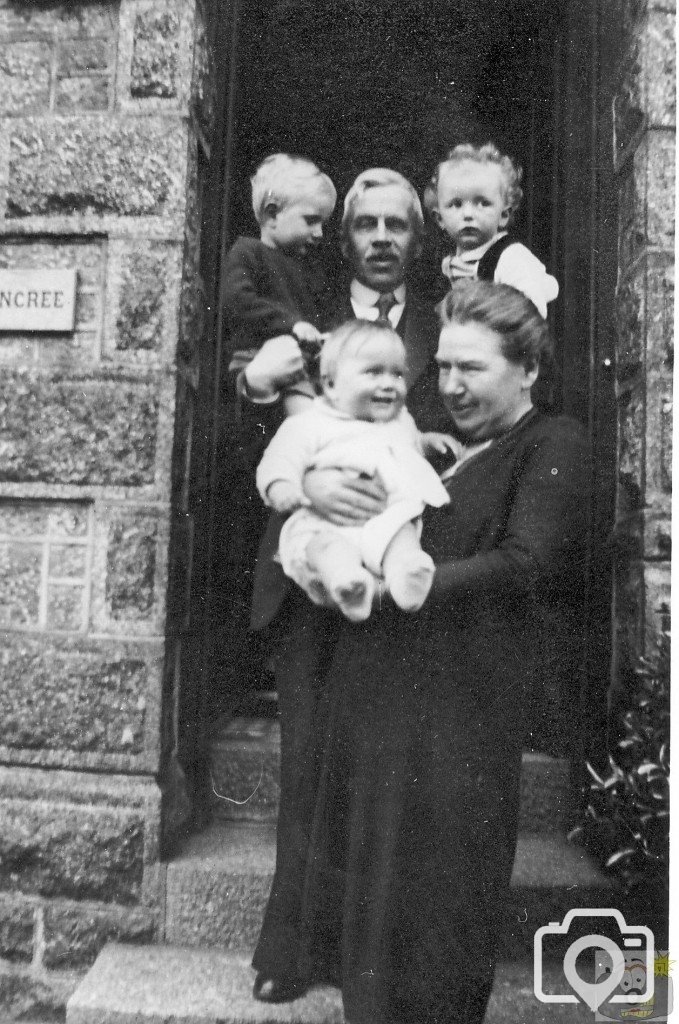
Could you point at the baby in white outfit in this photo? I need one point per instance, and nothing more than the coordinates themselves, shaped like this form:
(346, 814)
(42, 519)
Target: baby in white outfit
(359, 423)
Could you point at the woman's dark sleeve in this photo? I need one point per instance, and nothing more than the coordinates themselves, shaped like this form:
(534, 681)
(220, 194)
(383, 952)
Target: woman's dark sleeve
(546, 528)
(247, 299)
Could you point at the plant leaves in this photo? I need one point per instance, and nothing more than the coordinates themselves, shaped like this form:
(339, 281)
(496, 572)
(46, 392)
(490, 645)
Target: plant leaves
(620, 855)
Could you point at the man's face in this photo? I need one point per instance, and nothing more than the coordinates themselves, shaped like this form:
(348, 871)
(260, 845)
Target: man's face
(381, 241)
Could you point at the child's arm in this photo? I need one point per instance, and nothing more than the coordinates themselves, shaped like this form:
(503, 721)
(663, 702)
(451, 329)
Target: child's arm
(285, 496)
(246, 300)
(518, 267)
(285, 461)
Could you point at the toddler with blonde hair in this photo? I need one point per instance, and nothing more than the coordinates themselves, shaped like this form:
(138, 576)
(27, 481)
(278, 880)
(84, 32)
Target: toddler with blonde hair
(475, 193)
(272, 285)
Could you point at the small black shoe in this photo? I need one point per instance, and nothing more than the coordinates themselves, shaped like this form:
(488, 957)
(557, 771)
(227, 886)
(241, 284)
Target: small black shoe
(278, 990)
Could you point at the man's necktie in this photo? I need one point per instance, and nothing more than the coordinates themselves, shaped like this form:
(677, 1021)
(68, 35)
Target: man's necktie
(384, 304)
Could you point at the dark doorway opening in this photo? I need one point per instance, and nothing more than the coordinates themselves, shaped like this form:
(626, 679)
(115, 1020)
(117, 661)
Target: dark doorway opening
(396, 83)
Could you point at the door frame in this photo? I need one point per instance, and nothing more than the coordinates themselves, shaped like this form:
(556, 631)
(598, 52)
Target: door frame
(584, 258)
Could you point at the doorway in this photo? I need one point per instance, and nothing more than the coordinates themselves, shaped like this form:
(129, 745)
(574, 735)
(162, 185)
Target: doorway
(396, 83)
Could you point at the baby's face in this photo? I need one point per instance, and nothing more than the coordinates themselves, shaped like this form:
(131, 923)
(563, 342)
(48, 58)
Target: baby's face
(472, 203)
(298, 227)
(370, 383)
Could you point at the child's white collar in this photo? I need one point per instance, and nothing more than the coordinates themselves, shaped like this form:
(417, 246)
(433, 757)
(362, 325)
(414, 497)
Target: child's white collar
(474, 255)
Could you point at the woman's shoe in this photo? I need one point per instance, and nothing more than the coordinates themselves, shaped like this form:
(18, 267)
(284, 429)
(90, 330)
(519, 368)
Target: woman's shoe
(278, 990)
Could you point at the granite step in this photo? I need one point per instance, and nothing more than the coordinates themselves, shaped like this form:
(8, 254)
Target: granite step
(245, 760)
(245, 755)
(175, 985)
(218, 884)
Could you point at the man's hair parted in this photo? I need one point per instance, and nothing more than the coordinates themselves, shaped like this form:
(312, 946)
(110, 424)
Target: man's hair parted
(282, 179)
(487, 154)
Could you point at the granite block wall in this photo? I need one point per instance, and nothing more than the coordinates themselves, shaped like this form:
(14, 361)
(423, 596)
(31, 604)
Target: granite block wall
(105, 114)
(644, 155)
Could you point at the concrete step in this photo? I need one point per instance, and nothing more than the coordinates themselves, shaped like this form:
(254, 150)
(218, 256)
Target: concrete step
(245, 755)
(547, 797)
(218, 885)
(245, 758)
(174, 985)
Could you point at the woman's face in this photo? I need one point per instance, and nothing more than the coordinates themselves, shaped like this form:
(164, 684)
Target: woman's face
(483, 391)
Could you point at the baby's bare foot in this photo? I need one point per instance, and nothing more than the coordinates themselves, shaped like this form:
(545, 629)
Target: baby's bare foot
(410, 582)
(354, 597)
(318, 593)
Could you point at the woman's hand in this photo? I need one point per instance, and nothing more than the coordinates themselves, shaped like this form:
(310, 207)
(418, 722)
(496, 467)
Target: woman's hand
(432, 441)
(278, 364)
(343, 497)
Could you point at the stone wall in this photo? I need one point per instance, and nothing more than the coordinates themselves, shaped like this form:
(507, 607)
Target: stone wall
(103, 113)
(644, 124)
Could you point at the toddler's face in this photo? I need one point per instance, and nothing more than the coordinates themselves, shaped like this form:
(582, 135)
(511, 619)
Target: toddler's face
(370, 383)
(298, 227)
(472, 205)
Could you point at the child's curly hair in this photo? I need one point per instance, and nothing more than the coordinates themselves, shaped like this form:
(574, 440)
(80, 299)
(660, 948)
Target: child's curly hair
(487, 154)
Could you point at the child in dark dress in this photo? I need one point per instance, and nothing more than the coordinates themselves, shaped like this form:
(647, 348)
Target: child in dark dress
(475, 193)
(272, 288)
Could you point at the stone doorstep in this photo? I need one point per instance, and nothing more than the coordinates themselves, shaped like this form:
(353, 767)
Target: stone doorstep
(245, 754)
(245, 759)
(175, 985)
(218, 885)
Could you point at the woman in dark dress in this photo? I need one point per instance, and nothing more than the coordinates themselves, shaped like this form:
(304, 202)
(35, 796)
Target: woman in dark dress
(413, 787)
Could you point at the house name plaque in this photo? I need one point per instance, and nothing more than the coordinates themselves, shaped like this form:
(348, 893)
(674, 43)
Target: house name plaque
(37, 300)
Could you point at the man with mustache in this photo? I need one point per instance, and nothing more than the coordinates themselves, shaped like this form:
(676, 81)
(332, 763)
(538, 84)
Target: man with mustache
(381, 231)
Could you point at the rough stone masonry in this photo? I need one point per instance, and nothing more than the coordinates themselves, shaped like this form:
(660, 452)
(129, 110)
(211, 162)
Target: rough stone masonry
(102, 112)
(644, 111)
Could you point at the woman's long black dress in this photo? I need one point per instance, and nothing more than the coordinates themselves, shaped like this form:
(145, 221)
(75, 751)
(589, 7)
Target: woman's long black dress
(413, 795)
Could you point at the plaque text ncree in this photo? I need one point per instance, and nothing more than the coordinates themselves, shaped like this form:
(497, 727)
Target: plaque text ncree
(37, 300)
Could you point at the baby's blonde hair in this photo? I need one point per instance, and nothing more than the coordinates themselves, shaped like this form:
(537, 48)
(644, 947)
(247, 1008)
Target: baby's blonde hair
(347, 340)
(282, 179)
(487, 154)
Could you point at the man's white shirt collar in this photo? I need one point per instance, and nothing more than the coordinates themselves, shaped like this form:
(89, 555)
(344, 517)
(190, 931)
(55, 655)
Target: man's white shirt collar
(363, 301)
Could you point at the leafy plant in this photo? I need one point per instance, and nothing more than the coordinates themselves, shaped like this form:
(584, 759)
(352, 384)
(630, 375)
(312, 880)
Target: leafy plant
(626, 821)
